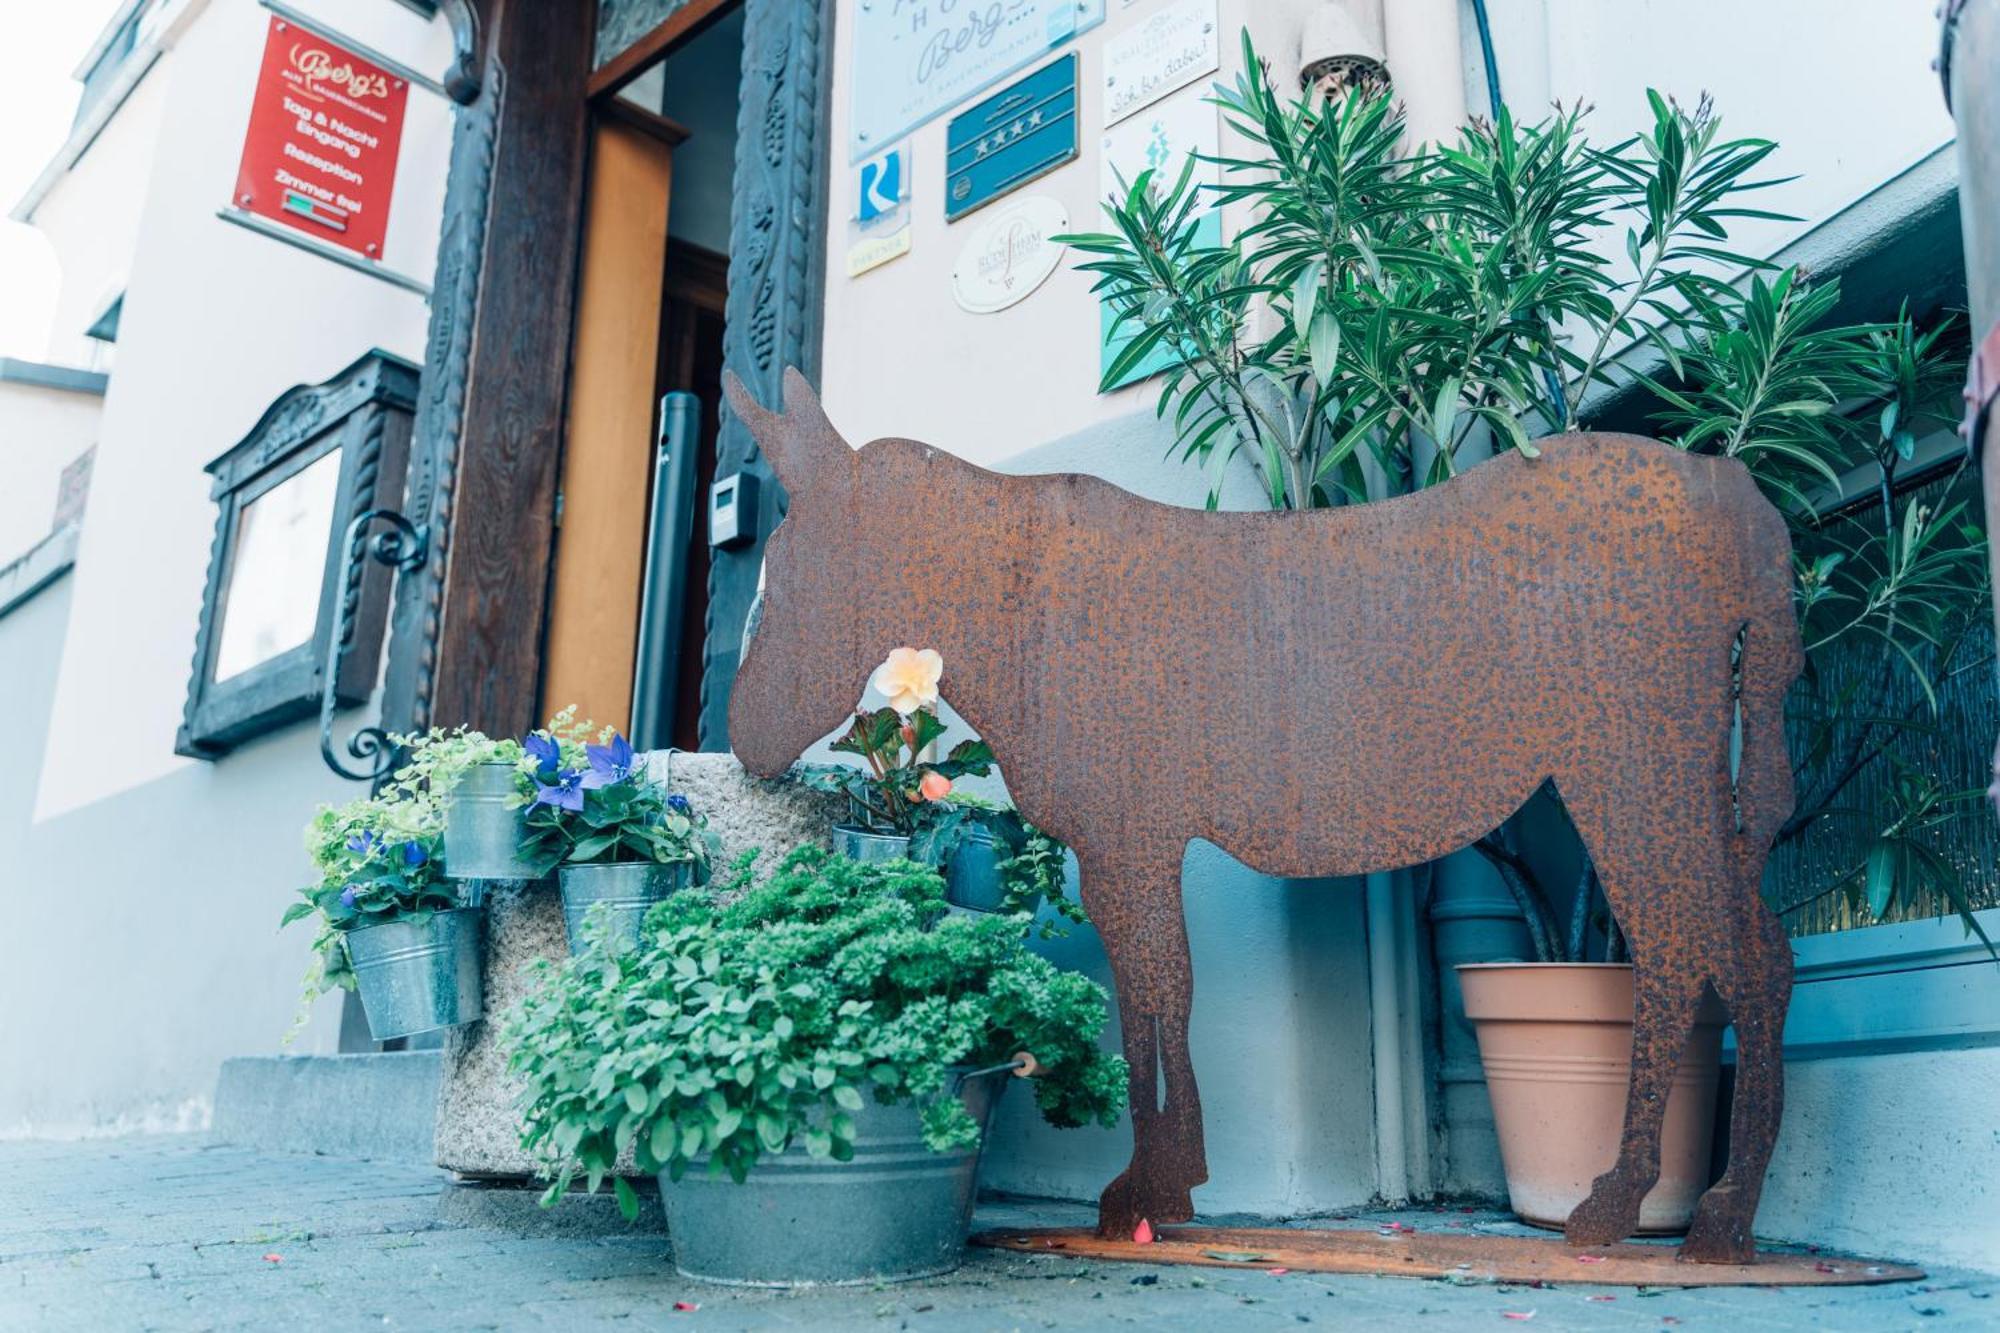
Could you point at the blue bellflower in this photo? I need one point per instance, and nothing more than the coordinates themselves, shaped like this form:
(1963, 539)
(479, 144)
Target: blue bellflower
(561, 787)
(364, 844)
(679, 804)
(347, 896)
(414, 855)
(544, 751)
(609, 764)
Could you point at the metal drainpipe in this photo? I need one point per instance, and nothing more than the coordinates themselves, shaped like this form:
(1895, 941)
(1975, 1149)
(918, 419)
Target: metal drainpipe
(1385, 966)
(1426, 65)
(1422, 43)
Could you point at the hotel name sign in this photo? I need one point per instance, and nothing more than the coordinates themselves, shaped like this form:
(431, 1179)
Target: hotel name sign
(320, 152)
(916, 58)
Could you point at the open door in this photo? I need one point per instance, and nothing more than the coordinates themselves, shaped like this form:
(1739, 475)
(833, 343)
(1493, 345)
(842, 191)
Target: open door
(604, 496)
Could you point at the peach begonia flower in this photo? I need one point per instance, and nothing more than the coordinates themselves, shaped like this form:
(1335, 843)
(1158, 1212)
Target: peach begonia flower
(909, 679)
(935, 786)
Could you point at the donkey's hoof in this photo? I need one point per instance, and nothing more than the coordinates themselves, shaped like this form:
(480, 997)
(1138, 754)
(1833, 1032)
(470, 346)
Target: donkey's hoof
(1609, 1215)
(1720, 1232)
(1123, 1206)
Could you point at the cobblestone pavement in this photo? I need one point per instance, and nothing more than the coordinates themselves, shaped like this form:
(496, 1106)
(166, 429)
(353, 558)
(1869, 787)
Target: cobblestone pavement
(171, 1233)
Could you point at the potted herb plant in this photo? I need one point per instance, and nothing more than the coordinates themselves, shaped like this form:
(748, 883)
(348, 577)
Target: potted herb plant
(996, 861)
(620, 841)
(808, 1064)
(895, 796)
(391, 925)
(1399, 311)
(485, 790)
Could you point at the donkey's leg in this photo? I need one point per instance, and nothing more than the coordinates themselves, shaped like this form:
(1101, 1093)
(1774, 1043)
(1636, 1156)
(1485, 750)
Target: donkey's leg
(1756, 996)
(1133, 895)
(1665, 998)
(1659, 881)
(1756, 983)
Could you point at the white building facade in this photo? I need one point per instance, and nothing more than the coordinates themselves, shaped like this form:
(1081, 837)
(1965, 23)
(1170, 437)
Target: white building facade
(631, 200)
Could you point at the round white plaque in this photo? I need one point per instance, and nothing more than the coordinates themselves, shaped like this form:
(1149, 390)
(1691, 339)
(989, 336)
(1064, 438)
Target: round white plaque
(1010, 254)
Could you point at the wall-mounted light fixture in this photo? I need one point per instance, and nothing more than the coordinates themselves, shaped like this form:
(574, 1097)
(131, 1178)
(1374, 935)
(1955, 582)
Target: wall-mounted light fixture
(1341, 51)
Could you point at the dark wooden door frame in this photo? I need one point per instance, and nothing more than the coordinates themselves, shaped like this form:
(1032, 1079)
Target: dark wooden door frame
(466, 646)
(467, 641)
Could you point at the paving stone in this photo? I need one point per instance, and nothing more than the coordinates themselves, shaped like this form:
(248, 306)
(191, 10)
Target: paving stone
(172, 1233)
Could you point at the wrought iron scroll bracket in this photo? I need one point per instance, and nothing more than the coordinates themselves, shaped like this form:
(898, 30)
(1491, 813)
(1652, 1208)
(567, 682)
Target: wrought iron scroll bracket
(462, 81)
(405, 547)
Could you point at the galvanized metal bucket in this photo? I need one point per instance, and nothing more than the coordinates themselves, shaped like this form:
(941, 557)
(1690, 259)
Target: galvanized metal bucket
(972, 875)
(483, 828)
(860, 844)
(622, 892)
(418, 976)
(896, 1212)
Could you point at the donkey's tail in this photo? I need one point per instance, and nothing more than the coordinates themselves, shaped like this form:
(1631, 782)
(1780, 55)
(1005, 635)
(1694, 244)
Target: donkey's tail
(1771, 660)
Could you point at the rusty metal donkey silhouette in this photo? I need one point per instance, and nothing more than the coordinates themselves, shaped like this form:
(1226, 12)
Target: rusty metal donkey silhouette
(1334, 692)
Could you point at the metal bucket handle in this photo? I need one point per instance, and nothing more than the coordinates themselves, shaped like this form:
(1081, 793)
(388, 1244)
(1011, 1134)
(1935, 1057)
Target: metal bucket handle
(1023, 1065)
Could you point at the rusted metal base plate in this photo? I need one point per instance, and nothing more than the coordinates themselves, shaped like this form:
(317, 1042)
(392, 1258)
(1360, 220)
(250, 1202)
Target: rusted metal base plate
(1406, 1253)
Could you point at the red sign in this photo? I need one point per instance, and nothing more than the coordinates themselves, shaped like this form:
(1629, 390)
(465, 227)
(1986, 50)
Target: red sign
(320, 153)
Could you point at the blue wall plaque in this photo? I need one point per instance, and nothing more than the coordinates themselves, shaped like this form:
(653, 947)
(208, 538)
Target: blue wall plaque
(914, 59)
(1019, 133)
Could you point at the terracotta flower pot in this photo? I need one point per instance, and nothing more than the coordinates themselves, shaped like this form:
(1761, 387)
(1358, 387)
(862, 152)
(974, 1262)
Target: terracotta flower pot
(1556, 1041)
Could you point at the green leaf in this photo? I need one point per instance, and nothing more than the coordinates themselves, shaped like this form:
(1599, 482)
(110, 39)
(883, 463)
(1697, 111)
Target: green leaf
(1305, 296)
(847, 1097)
(1881, 876)
(1324, 345)
(628, 1198)
(1444, 413)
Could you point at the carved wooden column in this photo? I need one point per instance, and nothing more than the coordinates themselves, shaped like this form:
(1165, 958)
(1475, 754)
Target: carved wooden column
(776, 249)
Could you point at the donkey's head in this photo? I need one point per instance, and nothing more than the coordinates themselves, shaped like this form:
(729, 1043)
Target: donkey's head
(820, 631)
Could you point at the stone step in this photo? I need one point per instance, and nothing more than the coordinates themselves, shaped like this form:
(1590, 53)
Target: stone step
(376, 1106)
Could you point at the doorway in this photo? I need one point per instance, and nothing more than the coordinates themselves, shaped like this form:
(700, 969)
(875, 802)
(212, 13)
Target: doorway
(629, 580)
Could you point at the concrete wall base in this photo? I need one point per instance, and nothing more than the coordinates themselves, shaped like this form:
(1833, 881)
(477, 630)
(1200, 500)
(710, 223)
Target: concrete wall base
(376, 1106)
(1891, 1156)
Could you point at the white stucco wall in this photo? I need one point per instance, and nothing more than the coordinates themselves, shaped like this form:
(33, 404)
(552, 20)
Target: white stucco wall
(184, 865)
(42, 431)
(218, 321)
(1891, 1155)
(1844, 87)
(92, 218)
(901, 358)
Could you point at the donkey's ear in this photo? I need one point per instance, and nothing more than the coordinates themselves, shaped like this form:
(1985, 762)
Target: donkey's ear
(801, 442)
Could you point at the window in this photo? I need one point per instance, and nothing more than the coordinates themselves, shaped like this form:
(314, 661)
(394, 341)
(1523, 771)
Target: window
(321, 455)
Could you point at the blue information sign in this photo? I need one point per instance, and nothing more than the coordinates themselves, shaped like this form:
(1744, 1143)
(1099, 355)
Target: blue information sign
(1019, 133)
(914, 59)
